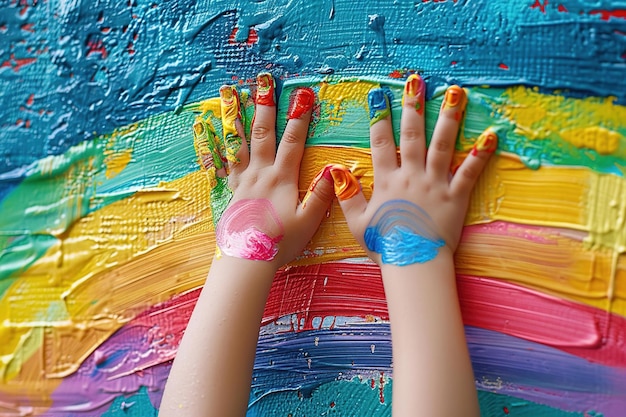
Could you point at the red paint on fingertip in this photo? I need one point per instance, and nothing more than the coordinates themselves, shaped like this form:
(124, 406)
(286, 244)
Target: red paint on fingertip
(265, 89)
(300, 102)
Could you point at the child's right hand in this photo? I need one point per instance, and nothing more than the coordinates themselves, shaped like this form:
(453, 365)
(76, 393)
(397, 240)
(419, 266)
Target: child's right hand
(417, 207)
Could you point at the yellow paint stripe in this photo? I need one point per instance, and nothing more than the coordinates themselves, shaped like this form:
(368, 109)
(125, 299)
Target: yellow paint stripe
(137, 252)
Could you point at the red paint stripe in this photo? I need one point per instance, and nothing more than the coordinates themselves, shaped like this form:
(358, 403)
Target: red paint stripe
(356, 290)
(349, 289)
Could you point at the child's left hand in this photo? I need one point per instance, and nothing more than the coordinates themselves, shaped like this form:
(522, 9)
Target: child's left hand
(264, 220)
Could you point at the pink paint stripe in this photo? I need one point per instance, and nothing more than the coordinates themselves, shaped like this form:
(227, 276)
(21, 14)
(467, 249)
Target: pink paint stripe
(316, 292)
(327, 290)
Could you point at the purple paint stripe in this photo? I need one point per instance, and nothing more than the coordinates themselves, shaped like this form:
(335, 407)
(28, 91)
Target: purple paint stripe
(305, 360)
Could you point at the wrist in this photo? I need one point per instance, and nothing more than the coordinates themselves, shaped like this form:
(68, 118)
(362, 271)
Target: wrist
(225, 265)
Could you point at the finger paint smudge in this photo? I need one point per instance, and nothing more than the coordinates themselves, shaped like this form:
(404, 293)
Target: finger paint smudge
(403, 233)
(266, 86)
(300, 102)
(487, 142)
(346, 184)
(378, 100)
(207, 143)
(250, 229)
(455, 99)
(414, 93)
(231, 115)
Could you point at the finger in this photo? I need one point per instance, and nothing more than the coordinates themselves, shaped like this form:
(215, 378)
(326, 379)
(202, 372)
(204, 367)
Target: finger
(236, 148)
(350, 195)
(263, 136)
(466, 176)
(291, 147)
(317, 199)
(205, 143)
(412, 137)
(382, 144)
(442, 145)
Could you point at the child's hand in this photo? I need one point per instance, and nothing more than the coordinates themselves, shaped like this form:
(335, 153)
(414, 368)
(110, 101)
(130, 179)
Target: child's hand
(264, 220)
(417, 206)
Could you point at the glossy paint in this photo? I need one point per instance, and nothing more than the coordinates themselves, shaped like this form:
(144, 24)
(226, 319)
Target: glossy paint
(108, 205)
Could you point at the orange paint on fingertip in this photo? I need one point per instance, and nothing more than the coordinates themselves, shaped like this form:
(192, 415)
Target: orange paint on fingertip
(486, 142)
(265, 89)
(345, 183)
(455, 99)
(300, 102)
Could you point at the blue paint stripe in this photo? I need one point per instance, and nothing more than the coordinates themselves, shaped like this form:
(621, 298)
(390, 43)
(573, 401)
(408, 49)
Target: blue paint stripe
(85, 79)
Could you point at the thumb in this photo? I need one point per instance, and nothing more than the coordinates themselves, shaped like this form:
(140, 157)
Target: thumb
(320, 193)
(348, 191)
(337, 180)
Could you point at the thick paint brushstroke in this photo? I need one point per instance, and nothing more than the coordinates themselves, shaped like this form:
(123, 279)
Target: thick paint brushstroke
(121, 61)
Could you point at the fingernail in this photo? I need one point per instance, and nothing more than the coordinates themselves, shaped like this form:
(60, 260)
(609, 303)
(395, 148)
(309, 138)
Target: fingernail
(300, 102)
(323, 174)
(345, 183)
(379, 105)
(414, 92)
(265, 86)
(456, 99)
(486, 142)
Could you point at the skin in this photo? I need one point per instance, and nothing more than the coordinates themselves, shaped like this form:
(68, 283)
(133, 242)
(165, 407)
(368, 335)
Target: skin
(432, 369)
(212, 372)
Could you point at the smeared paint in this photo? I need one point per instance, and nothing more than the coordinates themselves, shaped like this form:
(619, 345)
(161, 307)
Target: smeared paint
(345, 183)
(575, 266)
(554, 373)
(300, 102)
(454, 101)
(231, 117)
(266, 87)
(414, 93)
(486, 142)
(379, 106)
(250, 229)
(403, 234)
(206, 145)
(96, 226)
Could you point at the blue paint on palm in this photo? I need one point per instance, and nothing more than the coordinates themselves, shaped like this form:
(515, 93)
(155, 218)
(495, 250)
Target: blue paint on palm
(403, 234)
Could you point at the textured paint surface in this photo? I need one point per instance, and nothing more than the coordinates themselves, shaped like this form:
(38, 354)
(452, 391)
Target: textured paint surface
(112, 165)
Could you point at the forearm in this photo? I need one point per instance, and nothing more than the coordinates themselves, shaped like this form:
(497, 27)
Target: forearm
(430, 357)
(212, 373)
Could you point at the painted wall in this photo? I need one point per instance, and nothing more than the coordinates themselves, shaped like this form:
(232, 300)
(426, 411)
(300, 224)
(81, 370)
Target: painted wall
(106, 230)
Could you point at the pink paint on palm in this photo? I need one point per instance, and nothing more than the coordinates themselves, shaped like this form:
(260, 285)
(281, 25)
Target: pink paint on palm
(250, 229)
